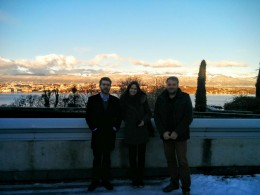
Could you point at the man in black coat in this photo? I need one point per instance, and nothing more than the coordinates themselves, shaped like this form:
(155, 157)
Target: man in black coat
(103, 118)
(173, 116)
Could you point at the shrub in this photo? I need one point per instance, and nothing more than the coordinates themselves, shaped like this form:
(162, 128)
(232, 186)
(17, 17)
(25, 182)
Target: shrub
(152, 96)
(243, 103)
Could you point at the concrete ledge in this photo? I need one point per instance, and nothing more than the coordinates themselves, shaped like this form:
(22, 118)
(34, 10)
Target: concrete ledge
(24, 129)
(41, 147)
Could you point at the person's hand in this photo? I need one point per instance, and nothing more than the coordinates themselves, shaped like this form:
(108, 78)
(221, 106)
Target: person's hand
(141, 124)
(174, 135)
(166, 135)
(114, 128)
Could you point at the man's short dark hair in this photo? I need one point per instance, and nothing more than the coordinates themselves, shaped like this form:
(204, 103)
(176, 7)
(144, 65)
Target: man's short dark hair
(173, 78)
(105, 79)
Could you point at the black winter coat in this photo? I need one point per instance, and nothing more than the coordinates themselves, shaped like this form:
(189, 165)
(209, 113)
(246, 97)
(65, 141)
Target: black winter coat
(103, 138)
(134, 110)
(174, 115)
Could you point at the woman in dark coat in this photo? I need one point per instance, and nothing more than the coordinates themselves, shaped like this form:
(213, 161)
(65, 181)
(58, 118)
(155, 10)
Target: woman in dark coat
(136, 114)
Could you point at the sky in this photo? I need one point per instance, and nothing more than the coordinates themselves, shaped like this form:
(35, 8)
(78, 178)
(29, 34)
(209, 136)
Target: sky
(170, 37)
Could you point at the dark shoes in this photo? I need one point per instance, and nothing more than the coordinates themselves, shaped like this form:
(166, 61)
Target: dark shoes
(109, 186)
(95, 184)
(141, 184)
(137, 183)
(170, 188)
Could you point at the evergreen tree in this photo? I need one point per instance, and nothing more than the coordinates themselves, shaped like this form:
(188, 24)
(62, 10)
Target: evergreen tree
(200, 96)
(257, 85)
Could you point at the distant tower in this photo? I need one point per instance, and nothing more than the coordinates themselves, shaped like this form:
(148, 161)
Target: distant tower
(200, 96)
(257, 85)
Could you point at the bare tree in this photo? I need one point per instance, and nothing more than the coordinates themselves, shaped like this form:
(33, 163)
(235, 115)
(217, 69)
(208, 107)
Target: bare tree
(156, 90)
(46, 97)
(28, 101)
(56, 93)
(124, 83)
(65, 101)
(19, 102)
(91, 88)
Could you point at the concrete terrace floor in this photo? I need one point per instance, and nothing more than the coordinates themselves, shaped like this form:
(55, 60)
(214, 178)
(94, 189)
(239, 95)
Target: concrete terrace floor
(201, 184)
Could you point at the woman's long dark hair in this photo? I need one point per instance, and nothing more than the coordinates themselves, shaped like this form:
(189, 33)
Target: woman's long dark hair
(125, 97)
(139, 91)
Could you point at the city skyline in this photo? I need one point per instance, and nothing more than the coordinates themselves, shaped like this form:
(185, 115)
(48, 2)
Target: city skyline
(86, 38)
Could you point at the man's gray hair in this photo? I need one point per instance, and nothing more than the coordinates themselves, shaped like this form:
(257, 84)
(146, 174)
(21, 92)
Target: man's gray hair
(173, 78)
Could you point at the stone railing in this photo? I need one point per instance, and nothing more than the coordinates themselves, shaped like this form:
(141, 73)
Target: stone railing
(41, 147)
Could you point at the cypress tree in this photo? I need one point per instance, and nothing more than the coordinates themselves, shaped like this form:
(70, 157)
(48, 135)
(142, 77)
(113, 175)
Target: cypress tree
(200, 96)
(257, 85)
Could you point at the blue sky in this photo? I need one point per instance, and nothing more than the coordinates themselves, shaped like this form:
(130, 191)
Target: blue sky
(46, 37)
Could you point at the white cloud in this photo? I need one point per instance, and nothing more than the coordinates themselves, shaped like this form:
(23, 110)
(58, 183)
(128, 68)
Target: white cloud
(56, 60)
(56, 64)
(226, 63)
(102, 63)
(42, 62)
(105, 60)
(24, 70)
(5, 63)
(41, 65)
(110, 63)
(168, 63)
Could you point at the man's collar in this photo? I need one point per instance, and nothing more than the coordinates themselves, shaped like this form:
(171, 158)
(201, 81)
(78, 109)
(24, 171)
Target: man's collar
(166, 93)
(104, 97)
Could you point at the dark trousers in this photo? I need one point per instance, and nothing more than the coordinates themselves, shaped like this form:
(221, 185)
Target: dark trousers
(137, 161)
(101, 165)
(176, 156)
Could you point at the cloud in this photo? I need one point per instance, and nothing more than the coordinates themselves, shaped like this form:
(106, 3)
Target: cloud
(57, 64)
(5, 63)
(105, 60)
(56, 60)
(168, 63)
(226, 64)
(42, 61)
(52, 64)
(24, 70)
(41, 65)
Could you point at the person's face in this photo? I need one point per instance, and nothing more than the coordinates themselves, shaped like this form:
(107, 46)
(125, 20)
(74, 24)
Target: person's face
(133, 90)
(105, 87)
(172, 86)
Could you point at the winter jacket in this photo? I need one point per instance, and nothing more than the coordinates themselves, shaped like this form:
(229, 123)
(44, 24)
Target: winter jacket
(101, 121)
(174, 114)
(134, 110)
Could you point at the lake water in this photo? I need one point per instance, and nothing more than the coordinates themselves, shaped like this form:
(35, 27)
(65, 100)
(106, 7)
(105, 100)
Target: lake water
(8, 98)
(217, 100)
